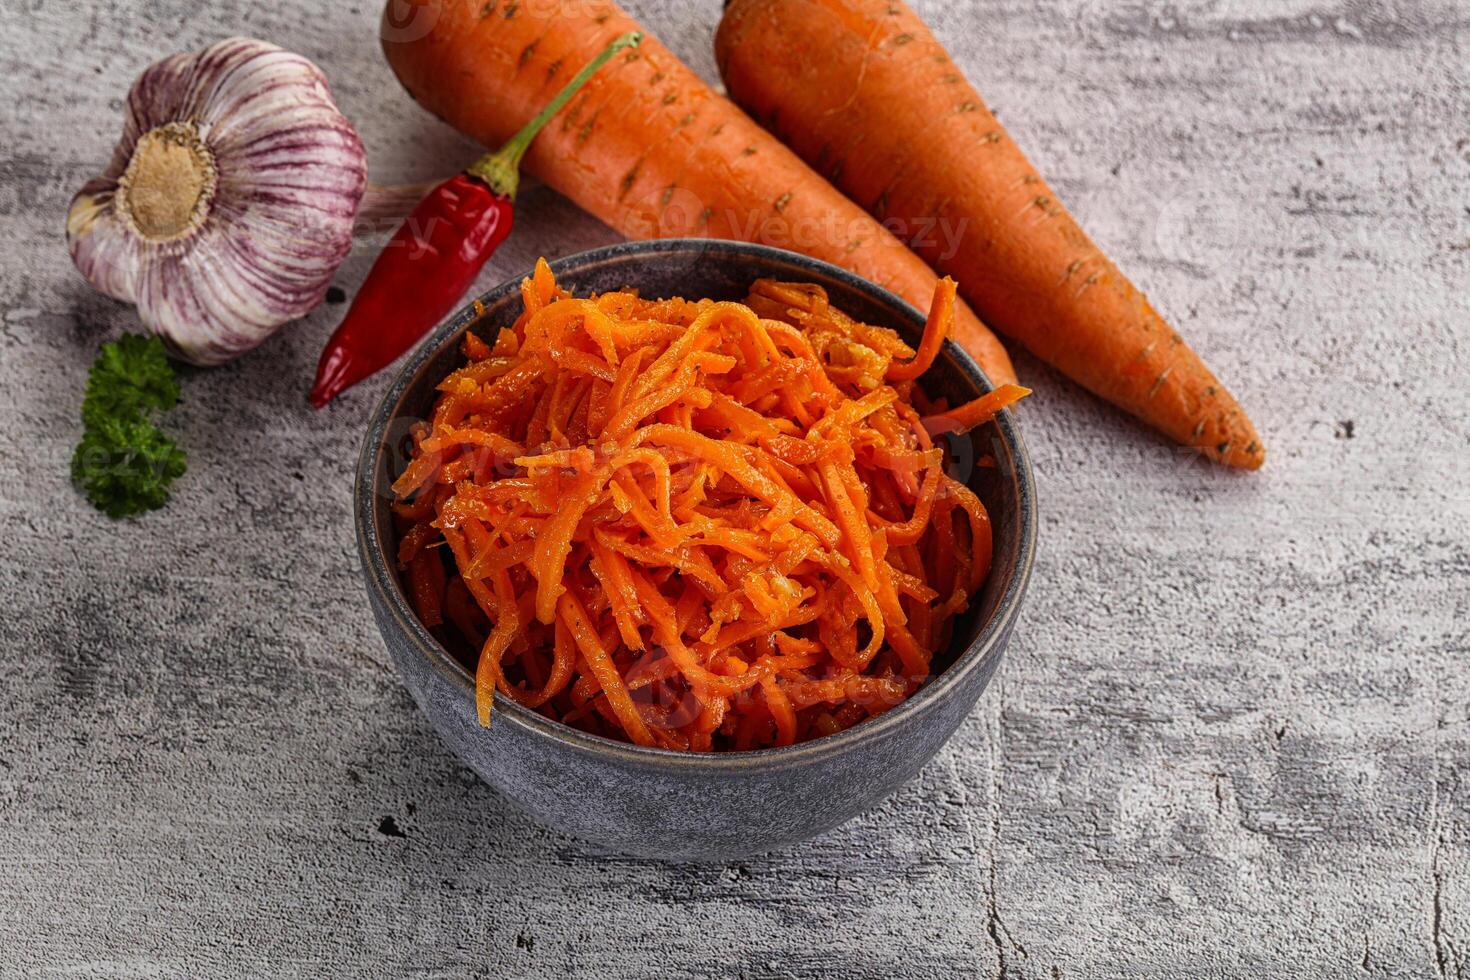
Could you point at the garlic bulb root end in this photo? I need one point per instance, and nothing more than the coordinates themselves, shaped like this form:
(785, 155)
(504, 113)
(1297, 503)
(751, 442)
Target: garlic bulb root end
(229, 202)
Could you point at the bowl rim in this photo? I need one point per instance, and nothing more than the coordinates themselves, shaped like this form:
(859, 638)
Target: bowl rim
(383, 584)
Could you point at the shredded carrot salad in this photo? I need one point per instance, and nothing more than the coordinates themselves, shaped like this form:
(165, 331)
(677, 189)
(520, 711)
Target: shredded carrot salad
(694, 525)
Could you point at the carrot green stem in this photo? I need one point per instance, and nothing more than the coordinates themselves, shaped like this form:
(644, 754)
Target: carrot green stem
(502, 169)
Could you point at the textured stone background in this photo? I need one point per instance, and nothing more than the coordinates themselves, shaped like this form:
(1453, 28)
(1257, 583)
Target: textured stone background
(1232, 735)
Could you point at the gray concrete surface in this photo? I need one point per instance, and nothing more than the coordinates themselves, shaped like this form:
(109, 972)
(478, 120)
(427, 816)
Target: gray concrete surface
(1232, 738)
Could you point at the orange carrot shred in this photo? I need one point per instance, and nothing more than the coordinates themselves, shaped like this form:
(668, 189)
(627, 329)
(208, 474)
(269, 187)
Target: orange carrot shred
(977, 412)
(941, 317)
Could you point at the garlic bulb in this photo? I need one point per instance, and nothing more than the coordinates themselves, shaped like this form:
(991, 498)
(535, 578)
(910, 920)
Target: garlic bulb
(229, 202)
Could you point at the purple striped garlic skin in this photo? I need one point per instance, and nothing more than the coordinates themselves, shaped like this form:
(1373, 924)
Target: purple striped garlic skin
(229, 202)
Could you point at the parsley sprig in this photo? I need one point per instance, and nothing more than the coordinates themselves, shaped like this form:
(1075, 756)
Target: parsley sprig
(124, 464)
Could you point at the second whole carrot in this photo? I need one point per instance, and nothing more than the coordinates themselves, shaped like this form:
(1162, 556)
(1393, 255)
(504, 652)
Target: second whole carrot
(863, 91)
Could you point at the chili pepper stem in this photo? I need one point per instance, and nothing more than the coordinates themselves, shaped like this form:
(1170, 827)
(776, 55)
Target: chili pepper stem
(501, 170)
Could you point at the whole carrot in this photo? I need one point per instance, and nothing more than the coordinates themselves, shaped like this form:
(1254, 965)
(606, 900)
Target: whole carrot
(647, 146)
(863, 91)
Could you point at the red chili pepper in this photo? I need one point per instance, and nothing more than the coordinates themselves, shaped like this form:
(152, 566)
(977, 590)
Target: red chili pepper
(435, 255)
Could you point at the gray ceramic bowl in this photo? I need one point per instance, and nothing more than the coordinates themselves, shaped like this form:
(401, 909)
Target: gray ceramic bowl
(663, 804)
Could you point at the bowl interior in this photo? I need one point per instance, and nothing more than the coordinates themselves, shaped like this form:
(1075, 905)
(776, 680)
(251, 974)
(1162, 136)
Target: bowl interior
(991, 460)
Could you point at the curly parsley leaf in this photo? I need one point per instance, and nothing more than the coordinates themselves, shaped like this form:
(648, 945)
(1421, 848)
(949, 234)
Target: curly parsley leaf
(129, 377)
(124, 464)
